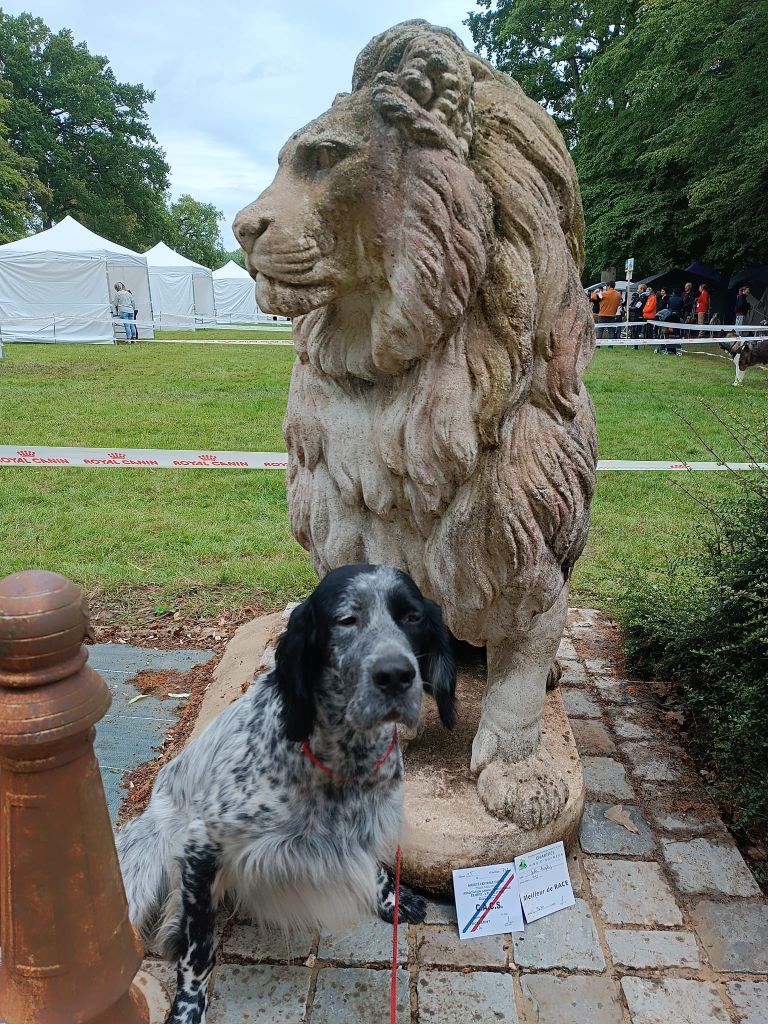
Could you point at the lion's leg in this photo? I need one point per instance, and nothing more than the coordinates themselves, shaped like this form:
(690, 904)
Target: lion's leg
(517, 778)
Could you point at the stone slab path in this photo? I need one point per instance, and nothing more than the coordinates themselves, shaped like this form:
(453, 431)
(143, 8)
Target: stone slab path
(134, 727)
(669, 926)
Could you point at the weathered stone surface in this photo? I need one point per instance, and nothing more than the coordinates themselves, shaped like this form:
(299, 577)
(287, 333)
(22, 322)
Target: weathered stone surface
(632, 892)
(566, 939)
(440, 912)
(629, 730)
(599, 835)
(654, 1001)
(641, 949)
(243, 658)
(369, 943)
(734, 934)
(566, 651)
(164, 971)
(447, 998)
(352, 996)
(443, 948)
(599, 666)
(579, 704)
(249, 943)
(669, 821)
(592, 737)
(448, 824)
(750, 999)
(609, 688)
(259, 995)
(649, 763)
(573, 674)
(605, 778)
(392, 284)
(703, 866)
(574, 1000)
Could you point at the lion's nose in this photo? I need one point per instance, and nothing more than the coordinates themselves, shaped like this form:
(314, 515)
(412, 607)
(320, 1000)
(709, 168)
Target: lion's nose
(250, 225)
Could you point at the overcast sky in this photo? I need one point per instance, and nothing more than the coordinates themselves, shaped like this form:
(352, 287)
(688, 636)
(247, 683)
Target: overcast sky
(234, 79)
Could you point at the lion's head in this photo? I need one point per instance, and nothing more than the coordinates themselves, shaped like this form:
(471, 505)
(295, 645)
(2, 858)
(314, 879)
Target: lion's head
(426, 234)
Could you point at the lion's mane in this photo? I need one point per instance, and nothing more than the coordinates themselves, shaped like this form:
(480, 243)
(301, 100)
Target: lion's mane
(445, 428)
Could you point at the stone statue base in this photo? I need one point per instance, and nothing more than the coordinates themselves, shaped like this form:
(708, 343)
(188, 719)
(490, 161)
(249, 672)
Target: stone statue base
(447, 824)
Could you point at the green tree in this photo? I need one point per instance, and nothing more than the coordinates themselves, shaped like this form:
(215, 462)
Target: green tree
(193, 230)
(236, 255)
(87, 133)
(20, 187)
(672, 145)
(549, 45)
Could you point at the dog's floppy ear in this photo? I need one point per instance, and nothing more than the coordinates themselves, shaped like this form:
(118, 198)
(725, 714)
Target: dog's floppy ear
(438, 666)
(299, 660)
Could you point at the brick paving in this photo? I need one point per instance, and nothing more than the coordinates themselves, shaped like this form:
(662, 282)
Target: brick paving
(668, 925)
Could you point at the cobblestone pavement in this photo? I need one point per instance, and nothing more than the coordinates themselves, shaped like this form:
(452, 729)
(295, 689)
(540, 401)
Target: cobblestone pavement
(669, 926)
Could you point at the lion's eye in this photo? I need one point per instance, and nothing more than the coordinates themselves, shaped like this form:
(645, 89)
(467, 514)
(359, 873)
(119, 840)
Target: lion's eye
(348, 620)
(326, 157)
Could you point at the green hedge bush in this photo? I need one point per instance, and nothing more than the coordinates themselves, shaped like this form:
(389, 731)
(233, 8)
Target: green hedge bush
(702, 622)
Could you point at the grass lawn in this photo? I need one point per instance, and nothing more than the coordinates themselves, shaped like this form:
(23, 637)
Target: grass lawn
(221, 539)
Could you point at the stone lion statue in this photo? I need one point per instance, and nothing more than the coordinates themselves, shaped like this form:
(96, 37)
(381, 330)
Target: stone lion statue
(426, 233)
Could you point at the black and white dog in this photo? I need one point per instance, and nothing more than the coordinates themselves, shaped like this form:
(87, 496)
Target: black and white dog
(290, 803)
(745, 354)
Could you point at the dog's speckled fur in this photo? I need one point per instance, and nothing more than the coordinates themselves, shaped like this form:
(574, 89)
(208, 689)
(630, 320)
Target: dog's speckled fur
(243, 812)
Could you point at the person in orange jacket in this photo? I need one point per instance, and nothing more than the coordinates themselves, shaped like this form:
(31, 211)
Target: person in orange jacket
(649, 312)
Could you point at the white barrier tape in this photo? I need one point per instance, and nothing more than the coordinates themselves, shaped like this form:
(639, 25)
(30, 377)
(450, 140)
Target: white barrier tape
(631, 465)
(720, 328)
(603, 342)
(139, 458)
(160, 458)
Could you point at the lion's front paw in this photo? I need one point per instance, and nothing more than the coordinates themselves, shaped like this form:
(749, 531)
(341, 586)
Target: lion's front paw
(485, 749)
(531, 792)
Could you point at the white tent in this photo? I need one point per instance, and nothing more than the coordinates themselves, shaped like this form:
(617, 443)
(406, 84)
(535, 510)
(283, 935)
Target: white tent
(182, 290)
(235, 295)
(58, 285)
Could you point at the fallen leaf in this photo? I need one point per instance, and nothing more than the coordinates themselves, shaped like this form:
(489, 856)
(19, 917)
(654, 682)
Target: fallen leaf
(620, 816)
(139, 696)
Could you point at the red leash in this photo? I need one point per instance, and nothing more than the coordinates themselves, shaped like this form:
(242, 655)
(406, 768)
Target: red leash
(393, 986)
(307, 750)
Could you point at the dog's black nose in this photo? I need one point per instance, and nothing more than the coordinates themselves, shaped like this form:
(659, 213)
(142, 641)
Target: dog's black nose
(393, 674)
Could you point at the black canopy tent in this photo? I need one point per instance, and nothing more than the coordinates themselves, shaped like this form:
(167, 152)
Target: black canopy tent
(670, 279)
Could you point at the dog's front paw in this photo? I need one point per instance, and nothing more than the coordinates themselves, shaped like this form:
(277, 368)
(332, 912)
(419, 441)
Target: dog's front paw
(413, 908)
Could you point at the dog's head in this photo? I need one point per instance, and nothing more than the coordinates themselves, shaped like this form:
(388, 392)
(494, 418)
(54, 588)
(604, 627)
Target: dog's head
(360, 650)
(732, 344)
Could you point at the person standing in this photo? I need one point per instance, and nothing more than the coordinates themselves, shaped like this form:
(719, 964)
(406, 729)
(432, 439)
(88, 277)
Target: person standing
(742, 306)
(702, 307)
(689, 301)
(675, 307)
(125, 308)
(636, 308)
(595, 298)
(609, 305)
(649, 312)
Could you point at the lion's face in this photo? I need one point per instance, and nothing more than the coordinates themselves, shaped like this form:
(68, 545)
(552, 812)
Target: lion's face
(320, 231)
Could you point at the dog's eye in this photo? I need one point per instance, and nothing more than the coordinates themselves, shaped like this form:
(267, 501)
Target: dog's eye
(348, 620)
(411, 616)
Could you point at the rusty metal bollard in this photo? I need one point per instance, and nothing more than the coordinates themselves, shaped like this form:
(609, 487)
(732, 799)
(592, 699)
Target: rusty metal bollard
(69, 953)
